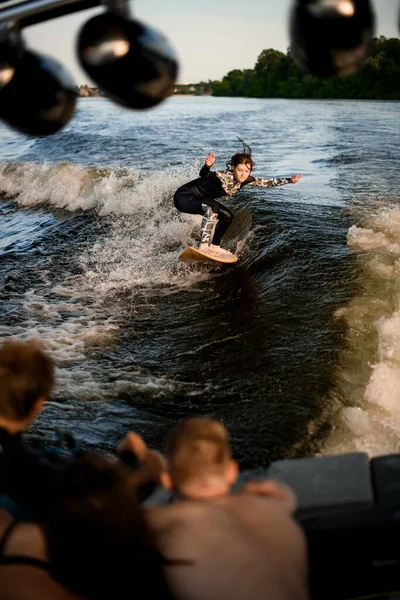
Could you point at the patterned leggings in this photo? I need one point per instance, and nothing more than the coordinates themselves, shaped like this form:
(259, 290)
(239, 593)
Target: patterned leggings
(187, 202)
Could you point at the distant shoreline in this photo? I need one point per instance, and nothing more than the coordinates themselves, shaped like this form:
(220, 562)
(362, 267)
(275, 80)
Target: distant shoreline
(278, 75)
(269, 98)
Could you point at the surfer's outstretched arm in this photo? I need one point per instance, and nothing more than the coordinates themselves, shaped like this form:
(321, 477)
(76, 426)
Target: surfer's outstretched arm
(268, 182)
(208, 163)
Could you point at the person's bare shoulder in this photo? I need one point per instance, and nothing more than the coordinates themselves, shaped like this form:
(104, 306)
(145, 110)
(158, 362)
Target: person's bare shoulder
(180, 526)
(265, 517)
(244, 506)
(183, 514)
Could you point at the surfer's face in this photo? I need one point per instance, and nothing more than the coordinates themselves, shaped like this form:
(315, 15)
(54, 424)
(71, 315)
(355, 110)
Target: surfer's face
(241, 172)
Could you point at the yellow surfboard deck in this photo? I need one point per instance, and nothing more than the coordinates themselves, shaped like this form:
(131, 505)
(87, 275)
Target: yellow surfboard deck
(191, 253)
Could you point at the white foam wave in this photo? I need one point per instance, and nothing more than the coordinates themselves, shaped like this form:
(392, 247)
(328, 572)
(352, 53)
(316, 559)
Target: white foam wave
(145, 237)
(65, 185)
(74, 187)
(138, 251)
(369, 377)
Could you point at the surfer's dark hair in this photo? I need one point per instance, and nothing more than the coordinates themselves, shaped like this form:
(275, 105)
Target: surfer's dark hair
(240, 158)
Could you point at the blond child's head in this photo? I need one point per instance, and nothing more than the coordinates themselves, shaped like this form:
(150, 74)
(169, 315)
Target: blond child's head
(26, 381)
(200, 464)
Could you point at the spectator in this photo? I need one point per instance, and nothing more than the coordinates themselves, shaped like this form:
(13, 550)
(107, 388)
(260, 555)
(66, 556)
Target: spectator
(26, 382)
(199, 459)
(99, 541)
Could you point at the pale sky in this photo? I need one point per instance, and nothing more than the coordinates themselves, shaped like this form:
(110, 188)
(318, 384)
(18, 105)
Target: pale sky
(210, 37)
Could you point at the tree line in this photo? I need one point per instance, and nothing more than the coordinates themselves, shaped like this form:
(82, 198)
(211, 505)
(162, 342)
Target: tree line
(277, 75)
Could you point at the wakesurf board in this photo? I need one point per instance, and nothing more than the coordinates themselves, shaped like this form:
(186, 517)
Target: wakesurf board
(191, 253)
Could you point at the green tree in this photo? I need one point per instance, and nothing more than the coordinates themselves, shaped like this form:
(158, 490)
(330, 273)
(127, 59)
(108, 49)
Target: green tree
(276, 75)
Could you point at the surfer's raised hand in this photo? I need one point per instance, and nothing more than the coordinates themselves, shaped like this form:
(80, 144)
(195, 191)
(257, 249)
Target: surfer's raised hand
(210, 158)
(295, 178)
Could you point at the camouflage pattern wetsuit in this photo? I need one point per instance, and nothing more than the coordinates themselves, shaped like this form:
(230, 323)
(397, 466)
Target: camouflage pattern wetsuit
(199, 197)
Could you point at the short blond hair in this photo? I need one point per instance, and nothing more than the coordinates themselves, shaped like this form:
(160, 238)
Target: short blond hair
(195, 447)
(26, 374)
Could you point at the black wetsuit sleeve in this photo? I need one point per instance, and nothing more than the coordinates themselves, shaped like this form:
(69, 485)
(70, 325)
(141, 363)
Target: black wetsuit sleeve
(204, 171)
